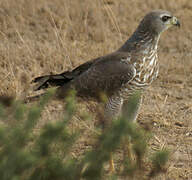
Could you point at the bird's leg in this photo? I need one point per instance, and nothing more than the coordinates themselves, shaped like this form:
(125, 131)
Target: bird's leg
(127, 150)
(112, 111)
(111, 164)
(133, 102)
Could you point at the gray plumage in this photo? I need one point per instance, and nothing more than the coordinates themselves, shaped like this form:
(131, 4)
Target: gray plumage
(132, 67)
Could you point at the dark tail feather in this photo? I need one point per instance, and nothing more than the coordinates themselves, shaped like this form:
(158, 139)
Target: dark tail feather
(44, 82)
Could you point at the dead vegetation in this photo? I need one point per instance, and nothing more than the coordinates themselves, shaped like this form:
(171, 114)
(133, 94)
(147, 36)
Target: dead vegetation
(43, 37)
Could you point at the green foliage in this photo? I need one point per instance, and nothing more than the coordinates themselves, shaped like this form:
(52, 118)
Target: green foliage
(159, 160)
(26, 153)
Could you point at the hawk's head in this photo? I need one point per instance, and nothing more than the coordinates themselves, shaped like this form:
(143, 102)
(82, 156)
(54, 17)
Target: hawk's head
(159, 21)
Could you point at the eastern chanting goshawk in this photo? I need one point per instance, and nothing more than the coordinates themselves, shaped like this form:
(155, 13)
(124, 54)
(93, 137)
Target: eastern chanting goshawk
(132, 67)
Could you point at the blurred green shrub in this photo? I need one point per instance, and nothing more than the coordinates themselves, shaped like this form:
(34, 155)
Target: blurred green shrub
(45, 155)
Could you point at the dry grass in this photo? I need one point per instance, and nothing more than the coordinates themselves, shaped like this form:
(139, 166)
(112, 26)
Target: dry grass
(46, 36)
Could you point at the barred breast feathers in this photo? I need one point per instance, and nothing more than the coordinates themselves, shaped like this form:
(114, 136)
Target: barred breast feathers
(146, 67)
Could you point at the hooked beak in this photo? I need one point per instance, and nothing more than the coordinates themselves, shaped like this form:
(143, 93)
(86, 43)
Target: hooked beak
(175, 22)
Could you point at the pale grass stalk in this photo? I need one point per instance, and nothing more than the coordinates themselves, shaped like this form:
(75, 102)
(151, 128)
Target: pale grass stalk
(60, 40)
(24, 42)
(90, 129)
(112, 18)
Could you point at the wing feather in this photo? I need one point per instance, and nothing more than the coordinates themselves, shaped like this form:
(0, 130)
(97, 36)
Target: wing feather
(107, 75)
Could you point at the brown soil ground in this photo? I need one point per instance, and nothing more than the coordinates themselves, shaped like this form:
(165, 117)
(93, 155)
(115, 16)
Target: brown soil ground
(46, 36)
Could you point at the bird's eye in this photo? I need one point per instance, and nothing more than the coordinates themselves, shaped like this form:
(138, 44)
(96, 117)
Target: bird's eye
(165, 18)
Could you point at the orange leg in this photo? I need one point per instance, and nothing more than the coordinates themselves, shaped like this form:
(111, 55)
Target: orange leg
(111, 164)
(127, 150)
(127, 153)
